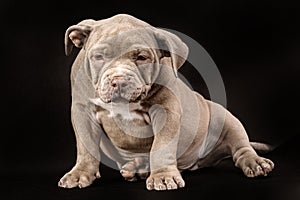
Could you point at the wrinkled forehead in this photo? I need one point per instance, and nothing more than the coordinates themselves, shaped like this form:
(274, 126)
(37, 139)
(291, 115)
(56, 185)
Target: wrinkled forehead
(125, 41)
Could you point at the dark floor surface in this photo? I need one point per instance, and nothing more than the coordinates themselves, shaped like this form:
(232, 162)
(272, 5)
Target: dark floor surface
(224, 181)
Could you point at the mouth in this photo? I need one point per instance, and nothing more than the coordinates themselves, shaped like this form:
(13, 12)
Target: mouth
(123, 95)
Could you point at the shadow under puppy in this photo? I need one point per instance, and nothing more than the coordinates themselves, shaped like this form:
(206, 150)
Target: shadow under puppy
(128, 102)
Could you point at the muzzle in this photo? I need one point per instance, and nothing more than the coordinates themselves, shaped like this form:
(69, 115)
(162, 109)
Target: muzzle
(121, 85)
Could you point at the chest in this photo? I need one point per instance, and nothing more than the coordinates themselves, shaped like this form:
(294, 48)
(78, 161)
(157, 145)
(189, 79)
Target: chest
(128, 129)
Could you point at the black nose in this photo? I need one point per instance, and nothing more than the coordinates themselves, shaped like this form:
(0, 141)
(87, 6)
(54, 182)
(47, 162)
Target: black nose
(119, 82)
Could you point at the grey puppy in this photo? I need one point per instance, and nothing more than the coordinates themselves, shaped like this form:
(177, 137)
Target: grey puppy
(128, 102)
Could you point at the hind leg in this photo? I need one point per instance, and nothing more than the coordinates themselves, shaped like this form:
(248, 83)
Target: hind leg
(137, 167)
(243, 154)
(252, 164)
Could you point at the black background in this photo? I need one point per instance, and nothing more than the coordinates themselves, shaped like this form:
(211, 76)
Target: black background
(255, 44)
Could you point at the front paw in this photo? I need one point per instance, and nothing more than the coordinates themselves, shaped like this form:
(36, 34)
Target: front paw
(165, 179)
(78, 178)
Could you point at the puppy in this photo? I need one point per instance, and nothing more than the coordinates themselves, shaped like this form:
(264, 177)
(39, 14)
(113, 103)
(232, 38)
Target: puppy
(128, 102)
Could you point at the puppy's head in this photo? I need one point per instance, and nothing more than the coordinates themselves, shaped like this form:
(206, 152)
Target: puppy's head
(125, 55)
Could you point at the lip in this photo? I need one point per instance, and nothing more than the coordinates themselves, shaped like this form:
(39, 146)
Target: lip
(119, 99)
(130, 96)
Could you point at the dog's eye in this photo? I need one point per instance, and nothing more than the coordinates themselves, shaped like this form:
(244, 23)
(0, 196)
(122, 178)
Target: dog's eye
(141, 57)
(98, 57)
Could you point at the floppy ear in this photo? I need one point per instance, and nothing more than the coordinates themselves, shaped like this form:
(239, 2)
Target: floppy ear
(172, 46)
(77, 35)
